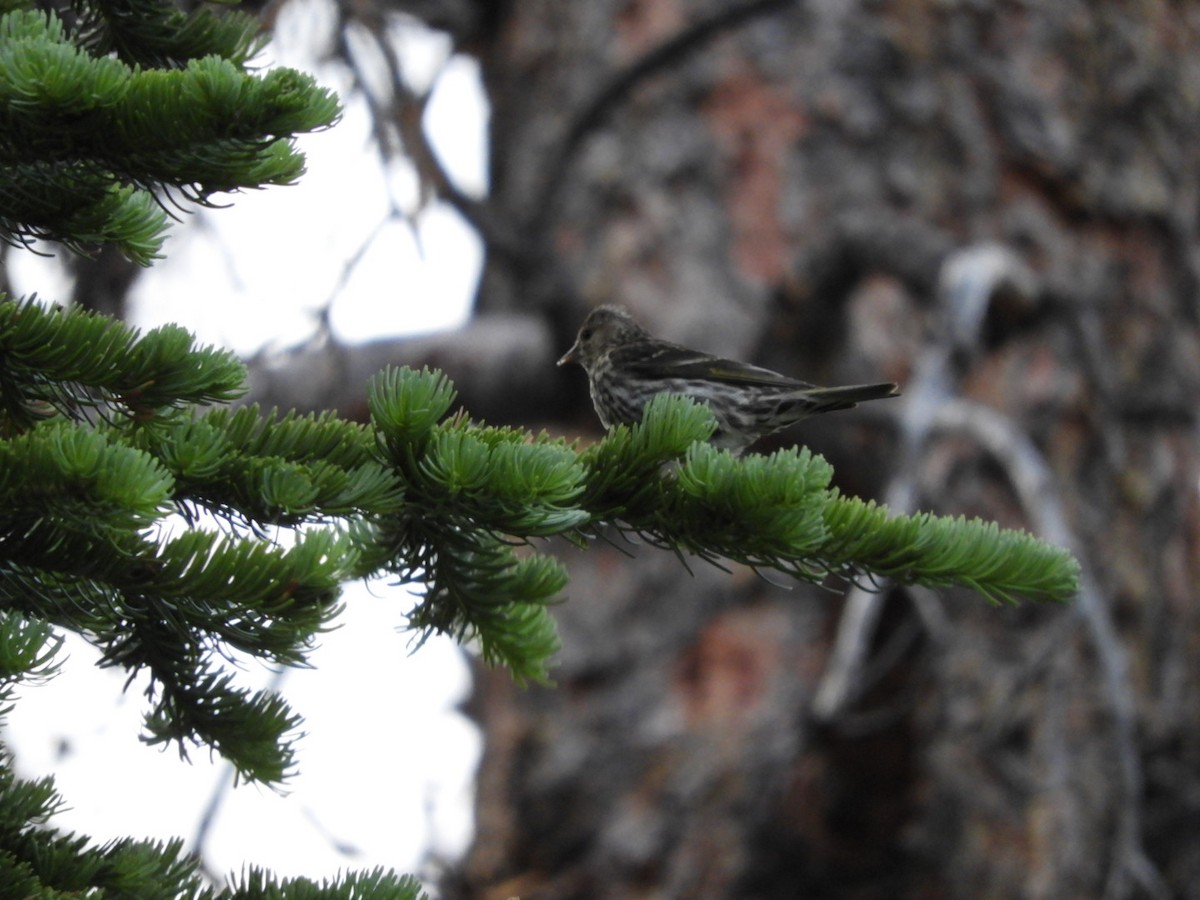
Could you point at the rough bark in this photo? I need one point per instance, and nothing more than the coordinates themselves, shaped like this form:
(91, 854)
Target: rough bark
(826, 188)
(823, 188)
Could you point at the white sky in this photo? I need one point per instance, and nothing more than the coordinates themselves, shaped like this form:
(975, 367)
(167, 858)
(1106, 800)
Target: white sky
(386, 768)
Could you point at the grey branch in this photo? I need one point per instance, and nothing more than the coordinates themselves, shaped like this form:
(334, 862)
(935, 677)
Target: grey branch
(502, 365)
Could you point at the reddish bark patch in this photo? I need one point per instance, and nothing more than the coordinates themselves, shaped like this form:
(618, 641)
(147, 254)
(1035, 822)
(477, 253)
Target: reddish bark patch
(756, 126)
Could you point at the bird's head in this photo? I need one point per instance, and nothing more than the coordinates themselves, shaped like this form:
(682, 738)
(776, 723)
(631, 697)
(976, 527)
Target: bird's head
(605, 328)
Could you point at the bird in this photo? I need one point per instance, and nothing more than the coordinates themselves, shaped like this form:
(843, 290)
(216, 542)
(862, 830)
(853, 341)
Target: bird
(627, 366)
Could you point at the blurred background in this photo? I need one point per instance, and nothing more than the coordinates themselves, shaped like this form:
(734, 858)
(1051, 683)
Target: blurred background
(995, 204)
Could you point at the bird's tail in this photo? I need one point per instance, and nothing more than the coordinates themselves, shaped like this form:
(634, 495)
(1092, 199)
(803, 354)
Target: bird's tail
(835, 398)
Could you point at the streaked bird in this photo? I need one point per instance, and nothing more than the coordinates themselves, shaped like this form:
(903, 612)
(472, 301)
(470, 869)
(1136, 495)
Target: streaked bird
(626, 366)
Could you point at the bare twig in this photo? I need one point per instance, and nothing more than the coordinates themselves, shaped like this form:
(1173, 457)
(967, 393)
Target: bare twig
(498, 361)
(968, 281)
(479, 214)
(404, 110)
(1034, 484)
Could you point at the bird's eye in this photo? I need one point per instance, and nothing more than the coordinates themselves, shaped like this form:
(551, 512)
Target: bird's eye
(586, 334)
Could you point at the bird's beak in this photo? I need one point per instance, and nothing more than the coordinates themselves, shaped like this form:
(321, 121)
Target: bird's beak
(570, 355)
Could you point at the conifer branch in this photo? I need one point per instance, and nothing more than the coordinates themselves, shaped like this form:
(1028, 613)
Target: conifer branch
(103, 121)
(91, 144)
(660, 480)
(422, 495)
(151, 34)
(128, 104)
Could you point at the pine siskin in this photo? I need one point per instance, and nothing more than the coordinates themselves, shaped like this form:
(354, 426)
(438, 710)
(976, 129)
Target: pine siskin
(626, 366)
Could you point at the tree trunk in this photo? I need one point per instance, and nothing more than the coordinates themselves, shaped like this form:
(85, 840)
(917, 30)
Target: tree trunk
(993, 204)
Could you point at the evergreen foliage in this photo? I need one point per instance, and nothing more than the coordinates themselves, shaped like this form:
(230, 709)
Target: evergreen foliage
(130, 105)
(114, 445)
(95, 458)
(94, 463)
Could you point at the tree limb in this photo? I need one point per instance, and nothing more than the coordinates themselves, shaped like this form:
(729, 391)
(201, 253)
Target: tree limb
(502, 364)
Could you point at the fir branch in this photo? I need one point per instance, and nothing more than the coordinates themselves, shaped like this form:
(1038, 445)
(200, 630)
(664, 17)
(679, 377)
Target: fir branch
(27, 651)
(430, 499)
(89, 143)
(660, 480)
(273, 601)
(82, 479)
(376, 883)
(468, 490)
(249, 730)
(292, 436)
(778, 512)
(167, 608)
(268, 469)
(769, 507)
(1000, 564)
(623, 470)
(70, 203)
(209, 124)
(70, 360)
(158, 34)
(475, 588)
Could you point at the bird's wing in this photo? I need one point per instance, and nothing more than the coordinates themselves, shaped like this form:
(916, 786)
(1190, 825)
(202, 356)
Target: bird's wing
(672, 361)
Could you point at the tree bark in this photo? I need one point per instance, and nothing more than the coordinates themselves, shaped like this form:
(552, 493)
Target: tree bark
(993, 204)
